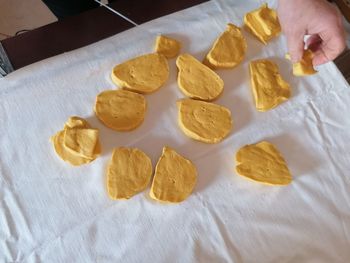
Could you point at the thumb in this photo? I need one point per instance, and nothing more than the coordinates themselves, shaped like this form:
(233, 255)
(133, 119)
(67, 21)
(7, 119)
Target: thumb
(295, 42)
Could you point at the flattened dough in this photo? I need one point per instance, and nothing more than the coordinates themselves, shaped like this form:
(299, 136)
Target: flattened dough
(263, 23)
(167, 46)
(144, 74)
(268, 87)
(84, 147)
(305, 66)
(204, 121)
(228, 50)
(128, 173)
(196, 80)
(120, 110)
(174, 178)
(263, 163)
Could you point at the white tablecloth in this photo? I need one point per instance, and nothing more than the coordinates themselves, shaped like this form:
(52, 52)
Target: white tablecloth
(52, 212)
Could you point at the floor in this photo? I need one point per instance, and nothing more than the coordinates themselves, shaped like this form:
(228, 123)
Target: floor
(16, 15)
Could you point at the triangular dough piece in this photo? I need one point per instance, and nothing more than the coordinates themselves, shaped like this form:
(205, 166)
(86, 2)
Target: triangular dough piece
(196, 80)
(263, 163)
(204, 121)
(128, 173)
(144, 74)
(305, 66)
(228, 50)
(268, 87)
(81, 141)
(120, 110)
(263, 23)
(174, 179)
(167, 46)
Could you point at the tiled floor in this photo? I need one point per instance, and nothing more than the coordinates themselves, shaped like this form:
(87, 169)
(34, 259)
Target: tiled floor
(17, 15)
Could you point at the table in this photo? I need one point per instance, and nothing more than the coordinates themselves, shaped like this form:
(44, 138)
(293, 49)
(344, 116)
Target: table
(74, 32)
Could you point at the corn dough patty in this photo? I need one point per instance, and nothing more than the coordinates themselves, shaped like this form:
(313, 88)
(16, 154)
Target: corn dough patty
(120, 110)
(128, 173)
(204, 121)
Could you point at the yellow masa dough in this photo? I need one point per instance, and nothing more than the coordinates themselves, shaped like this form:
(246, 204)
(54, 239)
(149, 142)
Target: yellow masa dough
(120, 110)
(228, 50)
(128, 173)
(263, 163)
(144, 74)
(269, 89)
(196, 80)
(263, 23)
(77, 143)
(305, 66)
(204, 121)
(174, 178)
(167, 46)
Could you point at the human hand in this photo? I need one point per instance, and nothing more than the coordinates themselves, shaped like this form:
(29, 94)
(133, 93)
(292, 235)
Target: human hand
(316, 18)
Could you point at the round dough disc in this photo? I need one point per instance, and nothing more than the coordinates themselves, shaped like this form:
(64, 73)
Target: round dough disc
(144, 74)
(204, 121)
(120, 110)
(174, 178)
(128, 173)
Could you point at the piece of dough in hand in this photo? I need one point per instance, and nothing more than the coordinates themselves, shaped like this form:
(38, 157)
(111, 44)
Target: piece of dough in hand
(128, 173)
(120, 110)
(167, 46)
(204, 121)
(263, 23)
(263, 163)
(144, 74)
(305, 66)
(196, 80)
(174, 179)
(268, 87)
(228, 50)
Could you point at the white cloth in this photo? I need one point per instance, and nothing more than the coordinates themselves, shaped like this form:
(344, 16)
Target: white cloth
(53, 212)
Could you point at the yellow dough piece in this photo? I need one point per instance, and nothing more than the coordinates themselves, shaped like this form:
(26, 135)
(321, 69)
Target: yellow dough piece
(144, 74)
(128, 173)
(81, 141)
(204, 121)
(77, 143)
(196, 80)
(174, 178)
(167, 46)
(120, 110)
(263, 23)
(263, 163)
(228, 50)
(269, 89)
(304, 67)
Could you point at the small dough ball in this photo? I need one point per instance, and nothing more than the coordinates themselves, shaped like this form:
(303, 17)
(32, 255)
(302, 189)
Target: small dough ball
(263, 23)
(77, 143)
(263, 163)
(174, 179)
(204, 121)
(305, 66)
(268, 87)
(228, 50)
(144, 74)
(128, 173)
(120, 110)
(196, 80)
(167, 46)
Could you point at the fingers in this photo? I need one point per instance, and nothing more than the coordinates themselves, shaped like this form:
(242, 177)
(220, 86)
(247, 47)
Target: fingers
(295, 42)
(333, 43)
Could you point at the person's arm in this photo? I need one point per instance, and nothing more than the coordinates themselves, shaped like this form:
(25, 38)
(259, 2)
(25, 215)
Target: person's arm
(317, 18)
